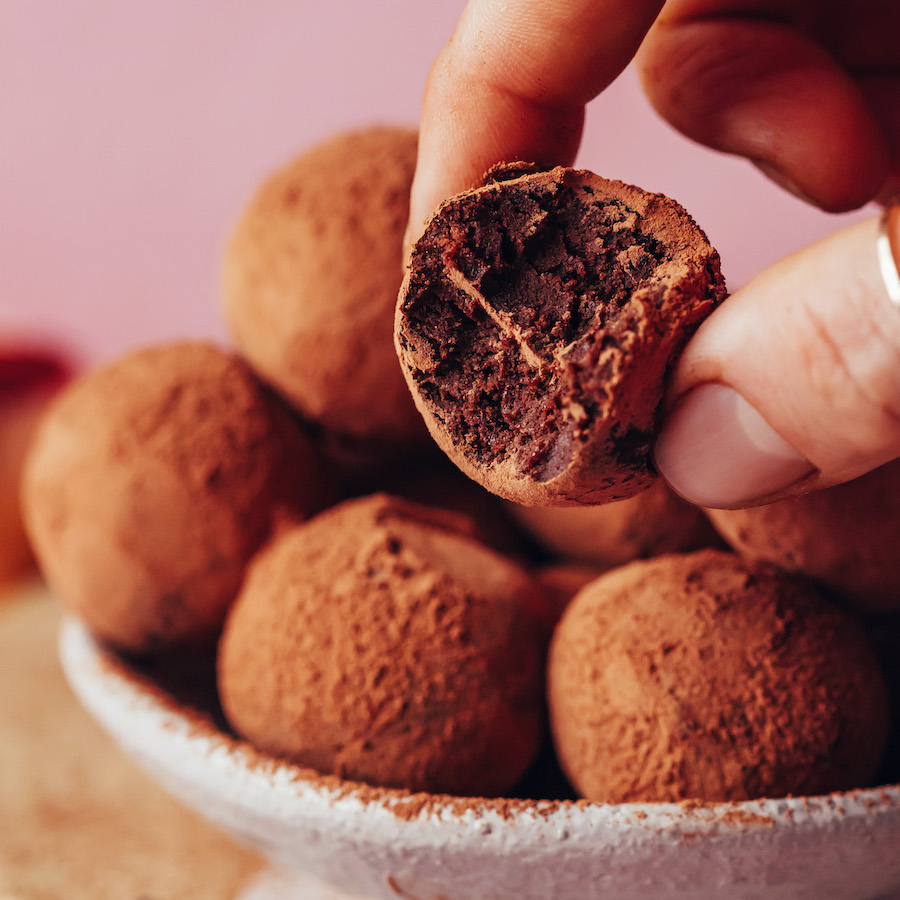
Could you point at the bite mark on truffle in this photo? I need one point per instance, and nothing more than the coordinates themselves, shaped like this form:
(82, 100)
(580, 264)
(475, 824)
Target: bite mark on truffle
(513, 349)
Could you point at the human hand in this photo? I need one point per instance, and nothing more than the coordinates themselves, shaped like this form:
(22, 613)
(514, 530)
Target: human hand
(811, 346)
(793, 383)
(808, 91)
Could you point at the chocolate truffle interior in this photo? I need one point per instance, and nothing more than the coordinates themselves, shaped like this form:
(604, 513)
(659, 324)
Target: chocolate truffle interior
(519, 292)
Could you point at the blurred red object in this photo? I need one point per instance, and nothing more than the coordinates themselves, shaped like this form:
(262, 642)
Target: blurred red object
(31, 373)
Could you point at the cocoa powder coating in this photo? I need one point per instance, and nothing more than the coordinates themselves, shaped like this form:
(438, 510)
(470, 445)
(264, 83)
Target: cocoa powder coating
(378, 643)
(310, 279)
(150, 484)
(431, 479)
(536, 325)
(845, 537)
(706, 677)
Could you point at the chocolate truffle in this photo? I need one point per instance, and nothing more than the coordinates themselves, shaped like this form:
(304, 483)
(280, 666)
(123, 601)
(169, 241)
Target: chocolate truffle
(432, 480)
(844, 537)
(310, 279)
(884, 632)
(651, 523)
(150, 484)
(379, 643)
(537, 323)
(706, 677)
(561, 582)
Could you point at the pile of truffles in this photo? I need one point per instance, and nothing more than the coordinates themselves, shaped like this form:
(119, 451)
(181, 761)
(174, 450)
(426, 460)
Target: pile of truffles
(379, 616)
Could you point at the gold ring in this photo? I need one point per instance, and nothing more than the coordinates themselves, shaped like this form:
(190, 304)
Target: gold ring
(887, 257)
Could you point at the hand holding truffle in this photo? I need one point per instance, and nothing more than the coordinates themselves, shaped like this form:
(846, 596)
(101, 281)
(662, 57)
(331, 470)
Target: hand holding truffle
(791, 87)
(791, 385)
(536, 325)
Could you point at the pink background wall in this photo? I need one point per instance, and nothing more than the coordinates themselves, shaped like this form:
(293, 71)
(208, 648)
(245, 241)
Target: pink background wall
(132, 133)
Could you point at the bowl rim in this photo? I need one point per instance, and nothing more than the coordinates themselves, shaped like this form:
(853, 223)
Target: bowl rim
(94, 669)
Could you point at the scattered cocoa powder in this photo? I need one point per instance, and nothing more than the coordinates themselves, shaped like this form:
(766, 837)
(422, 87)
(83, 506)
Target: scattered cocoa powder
(745, 817)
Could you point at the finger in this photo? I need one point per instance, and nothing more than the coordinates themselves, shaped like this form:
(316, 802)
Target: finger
(765, 91)
(793, 383)
(512, 84)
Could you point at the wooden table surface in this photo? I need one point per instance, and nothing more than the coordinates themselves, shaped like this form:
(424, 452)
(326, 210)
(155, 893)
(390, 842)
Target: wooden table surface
(78, 821)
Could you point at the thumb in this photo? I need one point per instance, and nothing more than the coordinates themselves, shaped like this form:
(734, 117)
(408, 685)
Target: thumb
(793, 384)
(512, 84)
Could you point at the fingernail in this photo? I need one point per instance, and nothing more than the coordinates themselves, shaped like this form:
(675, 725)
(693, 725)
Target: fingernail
(716, 450)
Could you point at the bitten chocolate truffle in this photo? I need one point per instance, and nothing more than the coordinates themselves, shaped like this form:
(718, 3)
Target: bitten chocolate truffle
(845, 537)
(310, 279)
(379, 643)
(705, 677)
(536, 326)
(150, 484)
(651, 523)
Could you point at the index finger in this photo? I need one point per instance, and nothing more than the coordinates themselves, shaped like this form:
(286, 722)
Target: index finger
(512, 83)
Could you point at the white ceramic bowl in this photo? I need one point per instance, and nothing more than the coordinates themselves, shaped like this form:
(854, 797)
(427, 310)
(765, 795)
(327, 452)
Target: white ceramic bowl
(333, 839)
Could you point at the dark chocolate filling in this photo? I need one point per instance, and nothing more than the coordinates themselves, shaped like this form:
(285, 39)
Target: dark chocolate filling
(515, 294)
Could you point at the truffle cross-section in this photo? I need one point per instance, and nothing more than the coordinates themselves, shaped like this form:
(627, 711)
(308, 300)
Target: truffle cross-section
(536, 325)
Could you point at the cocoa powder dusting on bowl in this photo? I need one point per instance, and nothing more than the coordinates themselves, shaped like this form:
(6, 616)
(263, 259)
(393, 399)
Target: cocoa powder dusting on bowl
(738, 816)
